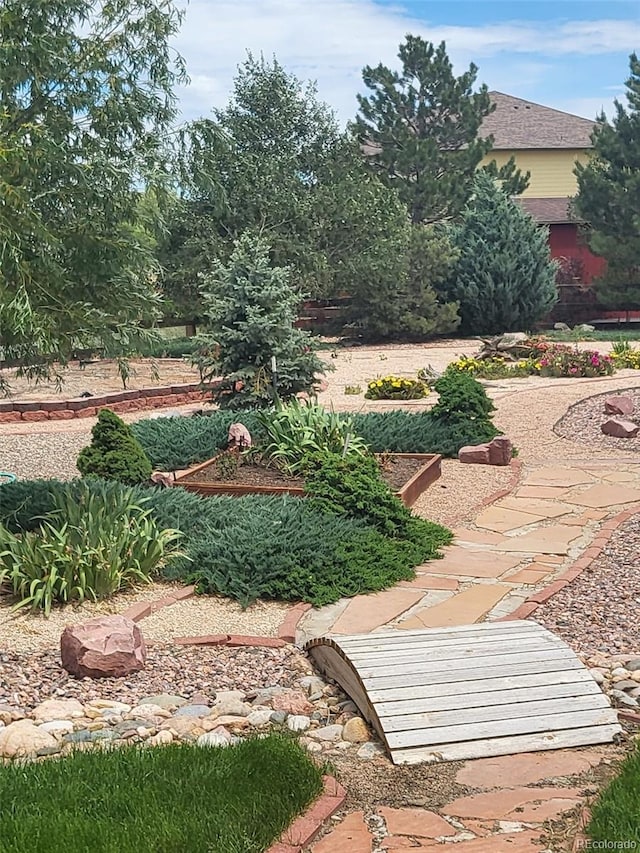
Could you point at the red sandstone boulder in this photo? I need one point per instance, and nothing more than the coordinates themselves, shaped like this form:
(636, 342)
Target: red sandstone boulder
(620, 428)
(496, 452)
(500, 451)
(104, 647)
(475, 453)
(618, 405)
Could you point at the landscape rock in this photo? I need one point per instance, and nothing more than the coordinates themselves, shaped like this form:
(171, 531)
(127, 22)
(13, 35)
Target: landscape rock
(57, 709)
(168, 701)
(163, 738)
(561, 327)
(148, 712)
(104, 647)
(106, 708)
(370, 750)
(238, 436)
(328, 733)
(510, 339)
(181, 726)
(298, 723)
(229, 708)
(292, 702)
(23, 739)
(634, 665)
(355, 731)
(260, 717)
(477, 454)
(618, 405)
(584, 327)
(620, 698)
(312, 684)
(278, 717)
(193, 711)
(217, 737)
(500, 450)
(619, 428)
(58, 728)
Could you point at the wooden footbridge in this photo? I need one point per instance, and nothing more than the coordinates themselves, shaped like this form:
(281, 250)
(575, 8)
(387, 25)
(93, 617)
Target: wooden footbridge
(446, 694)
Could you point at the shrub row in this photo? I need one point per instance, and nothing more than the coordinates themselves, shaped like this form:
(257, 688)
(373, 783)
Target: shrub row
(257, 547)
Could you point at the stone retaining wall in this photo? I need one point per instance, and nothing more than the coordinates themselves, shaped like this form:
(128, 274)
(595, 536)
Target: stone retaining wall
(88, 407)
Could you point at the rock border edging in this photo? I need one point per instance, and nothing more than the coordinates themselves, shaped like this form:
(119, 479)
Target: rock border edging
(307, 826)
(286, 630)
(531, 604)
(119, 401)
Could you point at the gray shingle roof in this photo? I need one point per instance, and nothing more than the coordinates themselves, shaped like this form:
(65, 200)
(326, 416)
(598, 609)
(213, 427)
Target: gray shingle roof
(547, 211)
(516, 123)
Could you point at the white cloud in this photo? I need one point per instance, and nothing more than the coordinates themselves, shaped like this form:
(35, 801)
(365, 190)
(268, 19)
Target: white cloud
(332, 40)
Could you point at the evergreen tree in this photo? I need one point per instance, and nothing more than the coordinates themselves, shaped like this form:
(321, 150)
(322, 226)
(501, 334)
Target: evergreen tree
(609, 197)
(86, 96)
(114, 453)
(251, 307)
(419, 130)
(504, 279)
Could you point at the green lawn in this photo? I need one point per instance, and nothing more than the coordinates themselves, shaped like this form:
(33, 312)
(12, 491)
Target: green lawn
(175, 799)
(616, 813)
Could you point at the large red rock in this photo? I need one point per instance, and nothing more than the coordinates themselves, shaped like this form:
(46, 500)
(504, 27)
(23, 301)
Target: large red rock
(618, 405)
(104, 647)
(500, 450)
(620, 428)
(475, 453)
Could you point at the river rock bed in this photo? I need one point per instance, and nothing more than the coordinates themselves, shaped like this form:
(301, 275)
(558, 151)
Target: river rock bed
(583, 420)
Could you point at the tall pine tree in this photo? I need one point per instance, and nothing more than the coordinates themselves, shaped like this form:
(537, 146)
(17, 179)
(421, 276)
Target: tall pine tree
(419, 131)
(609, 197)
(504, 279)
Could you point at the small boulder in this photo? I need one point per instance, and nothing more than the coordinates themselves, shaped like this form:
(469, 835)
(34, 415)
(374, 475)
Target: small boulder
(23, 739)
(104, 647)
(620, 428)
(239, 436)
(500, 451)
(618, 405)
(475, 453)
(584, 327)
(294, 702)
(355, 731)
(561, 327)
(57, 709)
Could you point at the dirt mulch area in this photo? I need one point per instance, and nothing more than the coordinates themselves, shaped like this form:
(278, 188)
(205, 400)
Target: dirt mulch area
(599, 611)
(583, 420)
(396, 471)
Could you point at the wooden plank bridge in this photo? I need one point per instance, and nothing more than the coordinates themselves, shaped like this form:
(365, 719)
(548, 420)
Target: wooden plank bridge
(446, 694)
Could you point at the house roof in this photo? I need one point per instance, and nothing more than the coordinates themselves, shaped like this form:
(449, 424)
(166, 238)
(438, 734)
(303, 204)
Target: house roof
(547, 211)
(516, 123)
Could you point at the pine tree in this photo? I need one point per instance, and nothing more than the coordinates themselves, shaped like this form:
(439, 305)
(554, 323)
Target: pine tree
(251, 307)
(504, 279)
(609, 197)
(419, 130)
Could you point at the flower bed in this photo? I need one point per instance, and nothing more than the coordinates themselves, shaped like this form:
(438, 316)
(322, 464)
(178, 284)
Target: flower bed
(538, 358)
(396, 388)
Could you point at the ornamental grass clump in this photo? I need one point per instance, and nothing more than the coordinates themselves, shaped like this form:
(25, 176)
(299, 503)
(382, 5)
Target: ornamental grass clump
(88, 547)
(623, 355)
(396, 388)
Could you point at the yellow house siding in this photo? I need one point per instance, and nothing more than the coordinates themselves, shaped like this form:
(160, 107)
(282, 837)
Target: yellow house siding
(551, 169)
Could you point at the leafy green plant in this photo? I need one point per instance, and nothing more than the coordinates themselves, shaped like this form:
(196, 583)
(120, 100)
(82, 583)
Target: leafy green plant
(114, 452)
(624, 355)
(574, 363)
(396, 388)
(299, 429)
(352, 390)
(88, 547)
(227, 464)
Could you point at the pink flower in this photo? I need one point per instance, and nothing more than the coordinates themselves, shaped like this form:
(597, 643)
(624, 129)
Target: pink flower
(573, 370)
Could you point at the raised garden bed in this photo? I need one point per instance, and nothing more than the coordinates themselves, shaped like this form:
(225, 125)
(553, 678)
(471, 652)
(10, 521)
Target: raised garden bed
(408, 474)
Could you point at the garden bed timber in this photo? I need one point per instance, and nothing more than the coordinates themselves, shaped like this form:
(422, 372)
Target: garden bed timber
(408, 474)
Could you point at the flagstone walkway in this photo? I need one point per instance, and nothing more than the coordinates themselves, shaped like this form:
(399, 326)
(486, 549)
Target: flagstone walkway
(511, 549)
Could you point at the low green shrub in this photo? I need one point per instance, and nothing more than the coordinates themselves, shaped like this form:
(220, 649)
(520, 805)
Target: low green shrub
(89, 546)
(396, 388)
(174, 799)
(114, 452)
(297, 429)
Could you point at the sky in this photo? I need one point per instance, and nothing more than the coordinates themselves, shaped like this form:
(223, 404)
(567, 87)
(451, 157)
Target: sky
(569, 54)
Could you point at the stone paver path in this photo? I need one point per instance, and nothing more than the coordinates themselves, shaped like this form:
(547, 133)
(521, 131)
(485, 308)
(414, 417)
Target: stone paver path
(512, 549)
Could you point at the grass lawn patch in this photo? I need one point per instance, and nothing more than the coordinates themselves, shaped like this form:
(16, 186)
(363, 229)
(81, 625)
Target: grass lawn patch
(616, 813)
(180, 798)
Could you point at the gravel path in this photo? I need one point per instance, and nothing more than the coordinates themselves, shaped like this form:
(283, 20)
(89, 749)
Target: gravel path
(599, 611)
(27, 679)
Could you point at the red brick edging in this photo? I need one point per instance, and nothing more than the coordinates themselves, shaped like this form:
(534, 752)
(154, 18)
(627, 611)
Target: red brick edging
(286, 631)
(306, 827)
(528, 607)
(516, 470)
(88, 407)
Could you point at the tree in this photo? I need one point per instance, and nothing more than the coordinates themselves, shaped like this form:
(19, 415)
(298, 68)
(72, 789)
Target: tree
(114, 453)
(251, 307)
(86, 95)
(404, 303)
(419, 131)
(275, 163)
(609, 197)
(504, 279)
